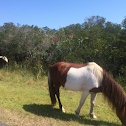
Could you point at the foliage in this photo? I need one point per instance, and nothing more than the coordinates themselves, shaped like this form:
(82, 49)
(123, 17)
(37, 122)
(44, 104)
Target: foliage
(94, 40)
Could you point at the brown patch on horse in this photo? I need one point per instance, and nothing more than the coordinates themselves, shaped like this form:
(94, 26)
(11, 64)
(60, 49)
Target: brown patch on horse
(114, 92)
(96, 90)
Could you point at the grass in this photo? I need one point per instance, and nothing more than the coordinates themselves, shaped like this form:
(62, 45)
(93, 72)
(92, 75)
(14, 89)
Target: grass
(24, 101)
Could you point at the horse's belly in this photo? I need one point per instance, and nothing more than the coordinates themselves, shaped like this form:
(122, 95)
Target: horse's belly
(74, 86)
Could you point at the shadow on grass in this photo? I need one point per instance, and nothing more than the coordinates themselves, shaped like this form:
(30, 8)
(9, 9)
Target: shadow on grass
(49, 111)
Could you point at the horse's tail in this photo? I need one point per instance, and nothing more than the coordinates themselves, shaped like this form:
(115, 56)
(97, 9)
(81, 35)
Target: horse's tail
(51, 89)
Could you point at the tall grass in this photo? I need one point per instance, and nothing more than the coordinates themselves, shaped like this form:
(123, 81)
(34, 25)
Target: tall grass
(25, 101)
(28, 66)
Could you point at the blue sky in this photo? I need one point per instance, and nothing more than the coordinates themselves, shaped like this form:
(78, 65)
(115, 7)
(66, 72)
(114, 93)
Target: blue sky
(59, 13)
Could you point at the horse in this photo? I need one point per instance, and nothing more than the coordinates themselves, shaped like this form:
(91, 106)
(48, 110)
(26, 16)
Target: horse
(3, 60)
(89, 78)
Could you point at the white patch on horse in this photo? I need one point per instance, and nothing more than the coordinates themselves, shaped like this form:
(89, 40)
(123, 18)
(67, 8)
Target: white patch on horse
(84, 78)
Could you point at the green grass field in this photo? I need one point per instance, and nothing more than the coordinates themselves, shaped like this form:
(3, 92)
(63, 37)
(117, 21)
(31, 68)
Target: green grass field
(25, 101)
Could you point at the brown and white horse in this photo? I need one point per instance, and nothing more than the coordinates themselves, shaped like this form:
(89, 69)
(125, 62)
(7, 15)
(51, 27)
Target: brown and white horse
(89, 78)
(3, 60)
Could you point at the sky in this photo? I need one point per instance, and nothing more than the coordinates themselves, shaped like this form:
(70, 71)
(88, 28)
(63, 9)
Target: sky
(57, 14)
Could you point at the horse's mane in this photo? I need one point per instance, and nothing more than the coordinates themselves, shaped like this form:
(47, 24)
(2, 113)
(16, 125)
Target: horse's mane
(114, 92)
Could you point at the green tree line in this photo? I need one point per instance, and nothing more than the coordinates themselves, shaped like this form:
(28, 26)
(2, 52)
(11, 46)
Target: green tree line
(95, 40)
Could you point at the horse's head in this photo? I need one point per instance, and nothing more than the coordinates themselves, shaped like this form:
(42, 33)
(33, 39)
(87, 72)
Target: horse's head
(5, 59)
(124, 119)
(122, 116)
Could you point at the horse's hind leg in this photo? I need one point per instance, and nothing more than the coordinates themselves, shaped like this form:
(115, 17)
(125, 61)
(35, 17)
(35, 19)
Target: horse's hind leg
(58, 97)
(93, 98)
(82, 100)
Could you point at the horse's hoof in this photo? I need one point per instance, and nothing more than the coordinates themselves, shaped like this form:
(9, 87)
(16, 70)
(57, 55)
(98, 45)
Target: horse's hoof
(93, 116)
(63, 110)
(77, 114)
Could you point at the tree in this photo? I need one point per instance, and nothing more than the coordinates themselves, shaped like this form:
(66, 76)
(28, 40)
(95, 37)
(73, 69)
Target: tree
(124, 23)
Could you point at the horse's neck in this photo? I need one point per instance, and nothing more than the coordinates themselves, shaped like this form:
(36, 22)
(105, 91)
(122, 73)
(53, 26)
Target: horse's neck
(97, 70)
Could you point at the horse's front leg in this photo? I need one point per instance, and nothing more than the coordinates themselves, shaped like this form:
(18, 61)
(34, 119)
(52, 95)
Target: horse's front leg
(82, 100)
(93, 98)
